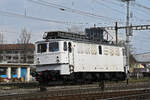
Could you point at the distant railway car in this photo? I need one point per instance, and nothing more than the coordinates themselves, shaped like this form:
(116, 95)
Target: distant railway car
(64, 56)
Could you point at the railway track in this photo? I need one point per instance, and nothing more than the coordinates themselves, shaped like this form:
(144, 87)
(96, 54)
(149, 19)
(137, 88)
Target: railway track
(107, 85)
(144, 96)
(20, 84)
(76, 94)
(82, 91)
(89, 87)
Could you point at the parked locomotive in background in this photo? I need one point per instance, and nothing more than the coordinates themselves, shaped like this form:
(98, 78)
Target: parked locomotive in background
(65, 56)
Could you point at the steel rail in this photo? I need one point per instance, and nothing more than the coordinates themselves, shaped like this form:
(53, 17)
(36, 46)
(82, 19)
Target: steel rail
(129, 96)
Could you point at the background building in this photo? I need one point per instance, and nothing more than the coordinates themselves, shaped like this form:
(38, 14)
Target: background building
(16, 62)
(140, 65)
(15, 72)
(17, 53)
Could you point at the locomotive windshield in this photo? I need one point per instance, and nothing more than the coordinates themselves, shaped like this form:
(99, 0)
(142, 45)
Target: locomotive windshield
(53, 47)
(41, 47)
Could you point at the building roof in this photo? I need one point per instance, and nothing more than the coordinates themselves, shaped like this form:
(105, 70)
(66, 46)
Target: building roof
(16, 46)
(15, 64)
(143, 58)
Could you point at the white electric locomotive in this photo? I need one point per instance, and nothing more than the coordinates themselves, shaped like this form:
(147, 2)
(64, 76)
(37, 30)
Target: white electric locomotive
(65, 56)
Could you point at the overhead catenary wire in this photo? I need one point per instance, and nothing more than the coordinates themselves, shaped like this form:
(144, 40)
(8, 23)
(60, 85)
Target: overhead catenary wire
(5, 13)
(114, 3)
(9, 31)
(80, 12)
(63, 8)
(142, 6)
(103, 4)
(136, 18)
(139, 5)
(141, 11)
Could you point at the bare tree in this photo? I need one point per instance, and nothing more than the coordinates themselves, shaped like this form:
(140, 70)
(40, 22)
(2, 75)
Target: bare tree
(25, 37)
(24, 40)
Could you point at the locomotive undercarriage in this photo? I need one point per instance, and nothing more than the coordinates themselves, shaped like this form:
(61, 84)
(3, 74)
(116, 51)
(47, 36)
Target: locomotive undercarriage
(54, 77)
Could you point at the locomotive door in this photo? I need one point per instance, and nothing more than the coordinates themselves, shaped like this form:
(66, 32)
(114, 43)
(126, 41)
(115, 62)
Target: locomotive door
(71, 57)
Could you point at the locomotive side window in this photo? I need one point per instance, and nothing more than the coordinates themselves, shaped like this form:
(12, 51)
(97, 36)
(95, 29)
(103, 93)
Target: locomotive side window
(124, 52)
(65, 46)
(69, 47)
(100, 49)
(42, 48)
(53, 47)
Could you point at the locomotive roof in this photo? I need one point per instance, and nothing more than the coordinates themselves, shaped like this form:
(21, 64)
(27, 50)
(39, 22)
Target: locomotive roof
(70, 36)
(62, 35)
(54, 40)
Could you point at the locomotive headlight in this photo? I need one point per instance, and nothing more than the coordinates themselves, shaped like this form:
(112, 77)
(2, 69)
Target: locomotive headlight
(57, 59)
(38, 61)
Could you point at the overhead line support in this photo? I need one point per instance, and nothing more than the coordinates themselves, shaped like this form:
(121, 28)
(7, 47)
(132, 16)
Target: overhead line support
(136, 27)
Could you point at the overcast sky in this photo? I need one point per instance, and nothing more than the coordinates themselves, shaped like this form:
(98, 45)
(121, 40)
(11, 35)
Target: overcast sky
(106, 13)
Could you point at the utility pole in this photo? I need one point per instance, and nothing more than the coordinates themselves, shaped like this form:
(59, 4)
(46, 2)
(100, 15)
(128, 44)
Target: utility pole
(128, 34)
(127, 40)
(116, 29)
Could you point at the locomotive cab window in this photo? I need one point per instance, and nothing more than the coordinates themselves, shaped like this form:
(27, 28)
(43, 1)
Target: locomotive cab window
(69, 47)
(100, 49)
(42, 48)
(53, 47)
(65, 46)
